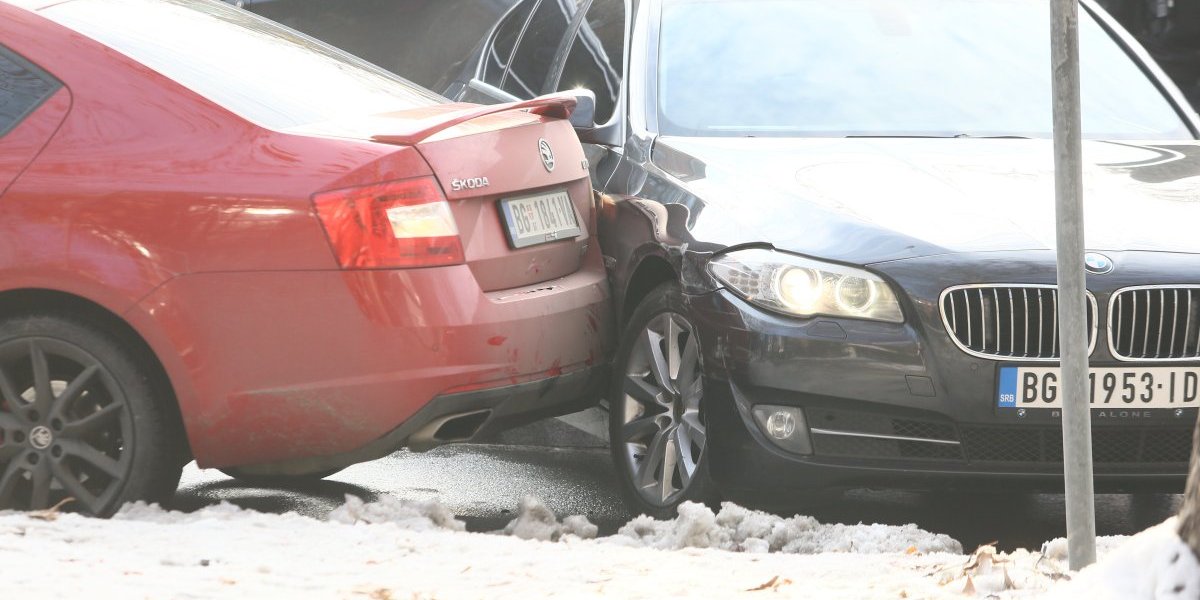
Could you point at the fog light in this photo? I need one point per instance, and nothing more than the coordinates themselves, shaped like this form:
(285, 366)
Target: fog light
(784, 426)
(781, 424)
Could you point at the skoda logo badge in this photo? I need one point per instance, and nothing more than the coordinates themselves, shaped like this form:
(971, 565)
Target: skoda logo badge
(1097, 263)
(547, 154)
(40, 437)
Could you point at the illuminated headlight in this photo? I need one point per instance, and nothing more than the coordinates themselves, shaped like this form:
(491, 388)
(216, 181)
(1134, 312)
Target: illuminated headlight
(805, 287)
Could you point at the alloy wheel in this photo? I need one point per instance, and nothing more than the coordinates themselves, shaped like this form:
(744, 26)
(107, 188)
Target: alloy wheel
(65, 427)
(662, 432)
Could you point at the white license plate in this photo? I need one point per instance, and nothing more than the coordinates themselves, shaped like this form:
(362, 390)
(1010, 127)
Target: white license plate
(539, 219)
(1129, 387)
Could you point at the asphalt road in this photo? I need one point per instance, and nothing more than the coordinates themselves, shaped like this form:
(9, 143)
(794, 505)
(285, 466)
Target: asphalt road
(484, 484)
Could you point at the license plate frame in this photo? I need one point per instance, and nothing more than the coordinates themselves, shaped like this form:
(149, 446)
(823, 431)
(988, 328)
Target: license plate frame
(1132, 387)
(540, 218)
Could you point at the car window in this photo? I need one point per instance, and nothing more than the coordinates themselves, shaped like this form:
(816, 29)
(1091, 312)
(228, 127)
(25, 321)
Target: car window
(886, 68)
(496, 58)
(534, 58)
(265, 72)
(23, 87)
(596, 59)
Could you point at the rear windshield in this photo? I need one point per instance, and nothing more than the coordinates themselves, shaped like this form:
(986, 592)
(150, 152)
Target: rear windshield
(267, 73)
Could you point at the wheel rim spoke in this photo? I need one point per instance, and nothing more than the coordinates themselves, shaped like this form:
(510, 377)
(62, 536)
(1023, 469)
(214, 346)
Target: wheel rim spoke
(43, 393)
(92, 457)
(694, 429)
(94, 421)
(41, 486)
(673, 352)
(638, 429)
(670, 459)
(10, 395)
(689, 360)
(72, 485)
(658, 361)
(648, 469)
(74, 390)
(8, 482)
(686, 463)
(642, 391)
(693, 394)
(8, 452)
(10, 421)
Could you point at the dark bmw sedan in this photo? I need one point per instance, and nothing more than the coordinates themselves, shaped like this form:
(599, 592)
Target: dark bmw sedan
(829, 225)
(830, 228)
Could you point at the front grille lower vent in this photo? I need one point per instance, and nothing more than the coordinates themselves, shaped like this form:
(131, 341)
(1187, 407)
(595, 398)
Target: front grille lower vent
(1155, 323)
(919, 439)
(1008, 321)
(1125, 445)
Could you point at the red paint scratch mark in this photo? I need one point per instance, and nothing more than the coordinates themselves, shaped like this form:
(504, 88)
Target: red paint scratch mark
(496, 340)
(555, 369)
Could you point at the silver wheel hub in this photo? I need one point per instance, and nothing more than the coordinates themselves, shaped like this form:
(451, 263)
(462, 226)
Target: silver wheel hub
(40, 437)
(662, 432)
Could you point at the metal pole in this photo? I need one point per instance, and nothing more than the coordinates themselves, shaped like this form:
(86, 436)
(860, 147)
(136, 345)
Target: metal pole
(1068, 177)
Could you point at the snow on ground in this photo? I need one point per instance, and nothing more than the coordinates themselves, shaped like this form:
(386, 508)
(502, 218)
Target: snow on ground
(397, 548)
(1152, 564)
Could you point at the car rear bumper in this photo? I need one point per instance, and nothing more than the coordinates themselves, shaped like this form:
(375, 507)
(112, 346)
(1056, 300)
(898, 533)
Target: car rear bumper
(882, 410)
(283, 366)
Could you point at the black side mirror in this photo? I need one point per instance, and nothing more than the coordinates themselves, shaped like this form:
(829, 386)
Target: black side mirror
(583, 118)
(584, 121)
(584, 115)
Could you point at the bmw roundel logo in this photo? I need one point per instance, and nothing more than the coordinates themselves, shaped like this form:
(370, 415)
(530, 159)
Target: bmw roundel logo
(1097, 263)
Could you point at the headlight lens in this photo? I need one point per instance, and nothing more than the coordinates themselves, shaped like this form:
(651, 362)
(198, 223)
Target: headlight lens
(805, 287)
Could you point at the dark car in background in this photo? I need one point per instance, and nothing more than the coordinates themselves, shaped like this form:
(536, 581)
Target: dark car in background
(418, 38)
(830, 229)
(829, 226)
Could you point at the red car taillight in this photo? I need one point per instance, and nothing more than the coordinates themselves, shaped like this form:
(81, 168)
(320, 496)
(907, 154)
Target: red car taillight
(396, 224)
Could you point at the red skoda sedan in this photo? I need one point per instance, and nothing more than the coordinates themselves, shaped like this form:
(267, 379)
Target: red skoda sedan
(223, 240)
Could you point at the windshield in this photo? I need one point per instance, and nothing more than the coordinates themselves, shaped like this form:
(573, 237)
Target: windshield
(269, 74)
(887, 68)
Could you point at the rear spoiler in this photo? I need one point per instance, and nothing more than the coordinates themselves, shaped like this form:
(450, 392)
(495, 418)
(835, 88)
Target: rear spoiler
(559, 106)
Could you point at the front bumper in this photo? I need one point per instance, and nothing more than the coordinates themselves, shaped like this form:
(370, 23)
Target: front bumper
(921, 413)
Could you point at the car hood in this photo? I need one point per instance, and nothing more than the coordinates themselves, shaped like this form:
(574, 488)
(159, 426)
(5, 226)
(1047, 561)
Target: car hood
(867, 200)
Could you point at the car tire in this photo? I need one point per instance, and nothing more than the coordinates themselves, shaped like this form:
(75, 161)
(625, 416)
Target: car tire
(81, 418)
(277, 481)
(657, 430)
